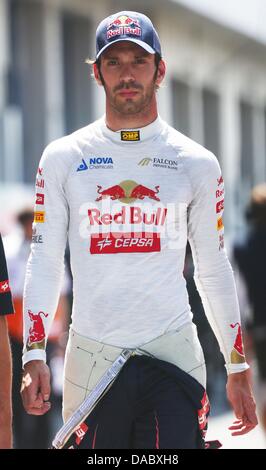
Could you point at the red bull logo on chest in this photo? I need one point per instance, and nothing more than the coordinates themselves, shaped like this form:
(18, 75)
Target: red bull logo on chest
(127, 232)
(128, 191)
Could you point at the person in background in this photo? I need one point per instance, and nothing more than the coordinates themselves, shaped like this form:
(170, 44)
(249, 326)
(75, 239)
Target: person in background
(6, 309)
(29, 432)
(250, 257)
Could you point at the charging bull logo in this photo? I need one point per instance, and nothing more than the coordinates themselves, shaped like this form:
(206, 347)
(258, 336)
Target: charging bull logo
(128, 191)
(203, 414)
(123, 25)
(237, 353)
(36, 339)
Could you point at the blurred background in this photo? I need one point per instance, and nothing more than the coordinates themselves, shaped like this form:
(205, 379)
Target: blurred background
(214, 92)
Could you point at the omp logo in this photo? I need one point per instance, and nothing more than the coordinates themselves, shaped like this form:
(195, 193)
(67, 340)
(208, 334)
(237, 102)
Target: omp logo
(130, 136)
(145, 162)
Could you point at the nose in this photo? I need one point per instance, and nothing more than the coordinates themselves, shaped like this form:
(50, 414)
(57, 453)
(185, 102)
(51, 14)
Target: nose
(126, 74)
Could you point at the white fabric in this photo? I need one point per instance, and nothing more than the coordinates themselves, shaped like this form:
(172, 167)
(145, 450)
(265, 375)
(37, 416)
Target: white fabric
(86, 361)
(129, 298)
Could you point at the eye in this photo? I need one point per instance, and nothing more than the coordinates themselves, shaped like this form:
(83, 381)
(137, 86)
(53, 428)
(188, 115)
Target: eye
(140, 60)
(112, 62)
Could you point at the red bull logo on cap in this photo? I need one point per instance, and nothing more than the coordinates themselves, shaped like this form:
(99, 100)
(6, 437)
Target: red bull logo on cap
(123, 25)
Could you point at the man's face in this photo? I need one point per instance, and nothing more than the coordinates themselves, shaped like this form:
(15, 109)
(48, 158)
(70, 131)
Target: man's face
(128, 74)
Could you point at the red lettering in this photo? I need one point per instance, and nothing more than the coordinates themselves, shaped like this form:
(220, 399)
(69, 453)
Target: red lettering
(135, 215)
(106, 219)
(94, 218)
(121, 214)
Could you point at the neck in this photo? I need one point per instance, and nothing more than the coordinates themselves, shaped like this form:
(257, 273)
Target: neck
(116, 121)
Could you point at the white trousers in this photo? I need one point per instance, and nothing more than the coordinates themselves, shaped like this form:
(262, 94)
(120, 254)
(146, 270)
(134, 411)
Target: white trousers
(87, 360)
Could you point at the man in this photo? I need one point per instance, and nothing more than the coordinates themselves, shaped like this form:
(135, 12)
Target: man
(127, 190)
(6, 308)
(250, 255)
(29, 432)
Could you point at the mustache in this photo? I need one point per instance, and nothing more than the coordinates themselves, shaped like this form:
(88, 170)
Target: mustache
(128, 86)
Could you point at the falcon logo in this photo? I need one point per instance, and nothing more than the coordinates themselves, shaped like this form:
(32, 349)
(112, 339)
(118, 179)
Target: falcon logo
(145, 162)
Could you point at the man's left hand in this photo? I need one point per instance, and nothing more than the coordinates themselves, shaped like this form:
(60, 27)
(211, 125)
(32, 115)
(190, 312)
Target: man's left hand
(240, 396)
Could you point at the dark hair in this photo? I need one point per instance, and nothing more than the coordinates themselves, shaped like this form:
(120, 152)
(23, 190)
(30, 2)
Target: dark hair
(26, 216)
(256, 210)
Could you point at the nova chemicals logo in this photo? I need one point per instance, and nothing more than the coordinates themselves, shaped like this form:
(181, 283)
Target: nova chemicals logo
(83, 166)
(95, 163)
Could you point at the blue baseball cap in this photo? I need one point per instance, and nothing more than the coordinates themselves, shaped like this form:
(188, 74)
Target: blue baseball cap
(127, 26)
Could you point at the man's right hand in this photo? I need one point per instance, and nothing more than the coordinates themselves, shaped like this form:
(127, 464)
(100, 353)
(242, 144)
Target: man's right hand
(35, 388)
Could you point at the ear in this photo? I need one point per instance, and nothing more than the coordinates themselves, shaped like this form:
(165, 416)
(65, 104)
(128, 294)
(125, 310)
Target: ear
(97, 74)
(160, 72)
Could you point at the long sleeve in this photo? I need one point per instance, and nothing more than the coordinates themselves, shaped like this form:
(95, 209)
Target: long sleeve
(45, 266)
(213, 273)
(6, 305)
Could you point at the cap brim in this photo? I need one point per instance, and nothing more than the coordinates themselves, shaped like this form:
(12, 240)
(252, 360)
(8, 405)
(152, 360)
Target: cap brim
(136, 41)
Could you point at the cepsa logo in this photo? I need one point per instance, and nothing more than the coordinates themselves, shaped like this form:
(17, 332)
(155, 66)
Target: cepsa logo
(123, 25)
